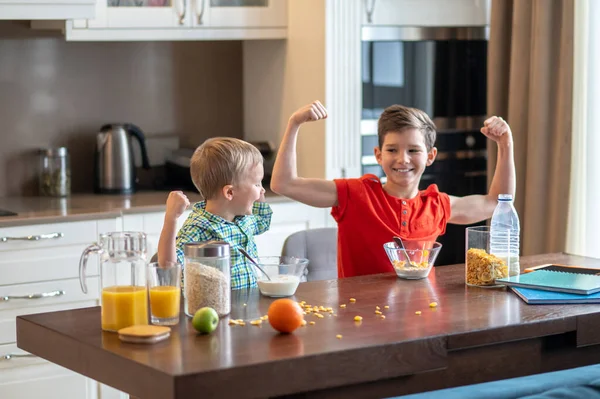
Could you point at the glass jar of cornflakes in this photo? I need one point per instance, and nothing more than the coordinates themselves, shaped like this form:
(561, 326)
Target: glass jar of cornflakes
(482, 268)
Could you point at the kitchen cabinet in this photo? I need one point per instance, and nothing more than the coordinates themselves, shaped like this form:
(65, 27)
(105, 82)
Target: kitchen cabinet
(39, 273)
(150, 223)
(46, 381)
(117, 20)
(46, 9)
(139, 14)
(289, 217)
(240, 13)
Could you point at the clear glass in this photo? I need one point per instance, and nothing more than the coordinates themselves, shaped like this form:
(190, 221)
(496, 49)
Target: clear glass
(483, 267)
(55, 174)
(164, 289)
(239, 3)
(416, 260)
(284, 275)
(207, 282)
(139, 3)
(124, 298)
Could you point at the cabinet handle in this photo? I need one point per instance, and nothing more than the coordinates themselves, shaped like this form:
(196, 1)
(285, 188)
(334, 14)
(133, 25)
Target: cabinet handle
(10, 356)
(369, 7)
(33, 296)
(50, 236)
(180, 13)
(199, 11)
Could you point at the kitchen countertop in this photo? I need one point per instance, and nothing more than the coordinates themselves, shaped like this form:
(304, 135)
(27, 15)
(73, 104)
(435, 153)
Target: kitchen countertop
(37, 210)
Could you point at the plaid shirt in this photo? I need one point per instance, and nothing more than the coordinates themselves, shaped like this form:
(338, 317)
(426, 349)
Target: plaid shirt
(204, 226)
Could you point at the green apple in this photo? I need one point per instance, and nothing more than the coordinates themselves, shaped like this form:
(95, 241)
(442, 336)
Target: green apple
(205, 320)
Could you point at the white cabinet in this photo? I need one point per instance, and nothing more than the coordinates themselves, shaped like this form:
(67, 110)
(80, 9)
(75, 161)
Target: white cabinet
(39, 273)
(150, 14)
(239, 13)
(46, 9)
(150, 223)
(126, 20)
(289, 217)
(45, 381)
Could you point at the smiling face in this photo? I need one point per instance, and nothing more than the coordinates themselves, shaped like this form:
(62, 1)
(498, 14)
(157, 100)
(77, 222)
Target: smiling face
(403, 156)
(248, 190)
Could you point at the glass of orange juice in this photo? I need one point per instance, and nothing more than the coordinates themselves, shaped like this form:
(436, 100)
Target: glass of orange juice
(164, 288)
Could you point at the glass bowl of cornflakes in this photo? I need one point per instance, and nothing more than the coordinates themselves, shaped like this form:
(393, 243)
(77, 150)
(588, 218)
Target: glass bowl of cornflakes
(418, 259)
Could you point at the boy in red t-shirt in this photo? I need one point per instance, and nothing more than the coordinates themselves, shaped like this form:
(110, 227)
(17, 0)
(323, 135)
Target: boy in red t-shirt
(370, 213)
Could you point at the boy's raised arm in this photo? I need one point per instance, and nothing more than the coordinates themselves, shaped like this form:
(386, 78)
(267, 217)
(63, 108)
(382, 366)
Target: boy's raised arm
(285, 180)
(177, 203)
(475, 208)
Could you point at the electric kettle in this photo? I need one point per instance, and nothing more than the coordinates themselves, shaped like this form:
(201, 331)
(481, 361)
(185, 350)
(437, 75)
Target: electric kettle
(114, 163)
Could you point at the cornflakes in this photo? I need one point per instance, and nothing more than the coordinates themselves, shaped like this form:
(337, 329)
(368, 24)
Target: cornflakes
(401, 264)
(484, 268)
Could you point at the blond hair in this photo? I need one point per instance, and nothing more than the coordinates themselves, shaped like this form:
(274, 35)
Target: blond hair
(396, 118)
(220, 161)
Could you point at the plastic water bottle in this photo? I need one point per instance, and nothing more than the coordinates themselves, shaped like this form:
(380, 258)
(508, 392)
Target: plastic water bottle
(505, 218)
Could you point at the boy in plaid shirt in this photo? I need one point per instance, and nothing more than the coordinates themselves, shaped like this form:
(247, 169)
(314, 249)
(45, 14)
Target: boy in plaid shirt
(228, 173)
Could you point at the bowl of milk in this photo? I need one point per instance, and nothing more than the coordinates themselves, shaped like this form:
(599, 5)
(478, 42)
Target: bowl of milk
(284, 272)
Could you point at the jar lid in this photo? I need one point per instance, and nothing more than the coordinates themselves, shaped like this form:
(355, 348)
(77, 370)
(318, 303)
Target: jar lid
(55, 152)
(206, 249)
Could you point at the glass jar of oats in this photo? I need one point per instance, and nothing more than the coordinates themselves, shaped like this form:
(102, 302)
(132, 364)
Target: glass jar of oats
(207, 277)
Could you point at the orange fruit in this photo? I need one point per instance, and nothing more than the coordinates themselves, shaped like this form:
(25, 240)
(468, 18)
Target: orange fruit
(285, 315)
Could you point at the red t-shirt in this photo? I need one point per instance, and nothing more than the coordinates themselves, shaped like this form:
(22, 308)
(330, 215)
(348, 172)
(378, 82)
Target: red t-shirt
(368, 217)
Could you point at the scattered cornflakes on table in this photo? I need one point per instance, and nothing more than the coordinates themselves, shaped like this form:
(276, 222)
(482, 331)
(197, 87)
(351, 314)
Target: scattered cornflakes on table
(418, 312)
(433, 304)
(339, 336)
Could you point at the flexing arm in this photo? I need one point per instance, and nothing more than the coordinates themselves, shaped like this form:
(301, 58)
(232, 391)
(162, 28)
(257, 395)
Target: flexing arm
(285, 181)
(177, 203)
(475, 208)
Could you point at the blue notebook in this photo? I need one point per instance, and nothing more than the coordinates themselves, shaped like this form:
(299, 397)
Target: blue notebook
(574, 283)
(541, 297)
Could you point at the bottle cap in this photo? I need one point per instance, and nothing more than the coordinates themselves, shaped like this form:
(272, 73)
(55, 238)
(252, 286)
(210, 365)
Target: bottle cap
(505, 197)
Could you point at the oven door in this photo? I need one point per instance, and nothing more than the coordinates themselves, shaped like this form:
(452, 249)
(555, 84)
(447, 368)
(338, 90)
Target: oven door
(441, 71)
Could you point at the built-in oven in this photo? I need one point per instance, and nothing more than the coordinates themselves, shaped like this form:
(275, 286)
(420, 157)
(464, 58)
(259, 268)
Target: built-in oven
(443, 72)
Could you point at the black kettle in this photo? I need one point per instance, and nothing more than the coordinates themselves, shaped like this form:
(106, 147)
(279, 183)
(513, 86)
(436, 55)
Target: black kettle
(114, 162)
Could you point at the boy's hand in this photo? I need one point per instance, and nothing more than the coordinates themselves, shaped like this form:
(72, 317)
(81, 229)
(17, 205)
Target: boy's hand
(309, 113)
(177, 203)
(495, 128)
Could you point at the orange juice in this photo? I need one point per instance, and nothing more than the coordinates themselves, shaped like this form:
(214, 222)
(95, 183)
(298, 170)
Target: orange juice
(124, 306)
(164, 301)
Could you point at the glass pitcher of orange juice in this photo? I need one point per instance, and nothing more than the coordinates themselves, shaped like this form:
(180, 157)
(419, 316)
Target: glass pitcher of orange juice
(124, 300)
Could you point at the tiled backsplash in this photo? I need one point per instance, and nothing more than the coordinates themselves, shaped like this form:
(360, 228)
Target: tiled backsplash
(57, 93)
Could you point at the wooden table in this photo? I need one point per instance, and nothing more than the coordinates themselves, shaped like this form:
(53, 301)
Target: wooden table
(473, 335)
